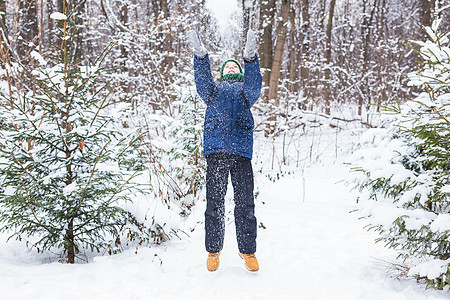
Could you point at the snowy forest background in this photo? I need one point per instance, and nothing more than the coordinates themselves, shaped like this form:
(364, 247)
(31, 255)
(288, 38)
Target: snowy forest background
(329, 66)
(321, 56)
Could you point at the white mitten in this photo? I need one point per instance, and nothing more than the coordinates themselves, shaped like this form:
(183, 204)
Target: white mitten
(194, 40)
(250, 46)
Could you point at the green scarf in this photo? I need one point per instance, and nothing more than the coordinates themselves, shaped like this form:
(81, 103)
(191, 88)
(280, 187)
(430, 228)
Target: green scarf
(233, 76)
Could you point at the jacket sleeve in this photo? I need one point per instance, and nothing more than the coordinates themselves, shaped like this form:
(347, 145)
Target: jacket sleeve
(252, 81)
(204, 82)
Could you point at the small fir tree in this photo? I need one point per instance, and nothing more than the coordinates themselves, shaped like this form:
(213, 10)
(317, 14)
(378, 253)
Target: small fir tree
(66, 163)
(408, 170)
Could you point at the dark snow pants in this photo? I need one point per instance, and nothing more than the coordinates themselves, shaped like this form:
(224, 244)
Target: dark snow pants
(219, 165)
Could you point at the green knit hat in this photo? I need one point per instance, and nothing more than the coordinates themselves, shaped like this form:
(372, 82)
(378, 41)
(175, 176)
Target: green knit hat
(237, 76)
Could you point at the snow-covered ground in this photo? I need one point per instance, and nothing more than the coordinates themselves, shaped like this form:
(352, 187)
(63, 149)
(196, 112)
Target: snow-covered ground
(311, 248)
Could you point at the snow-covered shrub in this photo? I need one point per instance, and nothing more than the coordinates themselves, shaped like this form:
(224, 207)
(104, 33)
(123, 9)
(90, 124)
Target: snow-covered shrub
(177, 168)
(188, 144)
(66, 163)
(405, 169)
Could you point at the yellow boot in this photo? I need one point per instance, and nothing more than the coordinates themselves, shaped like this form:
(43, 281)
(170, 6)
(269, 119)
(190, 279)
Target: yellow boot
(212, 263)
(250, 262)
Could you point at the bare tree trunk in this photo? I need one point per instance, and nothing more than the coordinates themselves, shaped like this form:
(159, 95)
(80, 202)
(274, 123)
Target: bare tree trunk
(168, 39)
(278, 53)
(69, 240)
(267, 11)
(29, 31)
(3, 35)
(365, 96)
(293, 62)
(123, 15)
(124, 84)
(382, 30)
(48, 37)
(305, 32)
(327, 86)
(438, 6)
(427, 6)
(62, 6)
(69, 243)
(79, 9)
(322, 14)
(41, 25)
(168, 62)
(384, 27)
(3, 16)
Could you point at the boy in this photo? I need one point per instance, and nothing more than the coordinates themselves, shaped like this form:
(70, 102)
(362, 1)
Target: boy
(228, 147)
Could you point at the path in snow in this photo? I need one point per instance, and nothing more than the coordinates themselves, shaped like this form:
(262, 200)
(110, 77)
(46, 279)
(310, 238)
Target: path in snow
(309, 250)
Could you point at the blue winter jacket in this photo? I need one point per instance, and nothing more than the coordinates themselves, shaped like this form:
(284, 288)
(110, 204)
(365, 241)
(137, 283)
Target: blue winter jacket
(229, 122)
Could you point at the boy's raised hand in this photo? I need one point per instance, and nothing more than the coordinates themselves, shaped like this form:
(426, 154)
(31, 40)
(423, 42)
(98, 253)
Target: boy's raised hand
(194, 40)
(250, 46)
